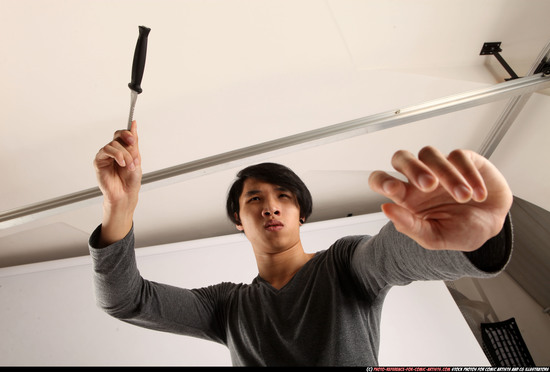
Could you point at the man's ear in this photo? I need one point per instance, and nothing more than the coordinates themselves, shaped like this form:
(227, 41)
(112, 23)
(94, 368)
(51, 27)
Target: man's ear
(238, 225)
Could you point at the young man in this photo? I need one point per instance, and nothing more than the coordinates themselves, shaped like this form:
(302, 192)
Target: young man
(449, 220)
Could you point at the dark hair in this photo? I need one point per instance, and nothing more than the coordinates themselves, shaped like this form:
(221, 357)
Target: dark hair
(272, 173)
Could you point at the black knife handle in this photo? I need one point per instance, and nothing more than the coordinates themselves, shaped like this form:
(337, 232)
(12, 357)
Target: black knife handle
(139, 59)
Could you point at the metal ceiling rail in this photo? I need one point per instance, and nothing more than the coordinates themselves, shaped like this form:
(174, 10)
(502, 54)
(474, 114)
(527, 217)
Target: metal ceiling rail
(512, 109)
(300, 141)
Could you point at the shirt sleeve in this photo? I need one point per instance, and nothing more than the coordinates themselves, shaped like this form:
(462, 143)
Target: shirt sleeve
(392, 258)
(122, 293)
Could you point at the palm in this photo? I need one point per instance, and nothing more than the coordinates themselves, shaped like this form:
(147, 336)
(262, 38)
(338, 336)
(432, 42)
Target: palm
(436, 220)
(442, 223)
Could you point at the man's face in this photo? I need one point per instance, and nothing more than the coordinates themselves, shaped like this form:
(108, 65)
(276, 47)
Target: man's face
(269, 216)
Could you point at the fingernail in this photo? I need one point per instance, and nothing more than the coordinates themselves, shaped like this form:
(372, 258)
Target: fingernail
(479, 194)
(462, 192)
(131, 166)
(388, 186)
(425, 181)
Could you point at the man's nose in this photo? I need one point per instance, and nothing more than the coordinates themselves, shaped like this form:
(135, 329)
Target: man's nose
(268, 212)
(271, 207)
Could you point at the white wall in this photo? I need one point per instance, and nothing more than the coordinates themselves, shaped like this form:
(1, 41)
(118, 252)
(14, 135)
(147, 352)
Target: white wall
(523, 154)
(48, 314)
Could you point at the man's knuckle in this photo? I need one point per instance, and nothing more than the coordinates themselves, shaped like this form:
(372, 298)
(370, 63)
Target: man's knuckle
(457, 154)
(428, 152)
(399, 155)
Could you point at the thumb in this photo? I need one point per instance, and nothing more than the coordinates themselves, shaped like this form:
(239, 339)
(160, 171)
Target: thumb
(133, 128)
(403, 220)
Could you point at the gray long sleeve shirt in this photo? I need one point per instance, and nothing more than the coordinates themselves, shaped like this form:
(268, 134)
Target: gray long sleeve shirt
(328, 314)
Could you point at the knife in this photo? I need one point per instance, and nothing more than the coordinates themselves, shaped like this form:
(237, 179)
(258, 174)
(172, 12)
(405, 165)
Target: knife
(138, 66)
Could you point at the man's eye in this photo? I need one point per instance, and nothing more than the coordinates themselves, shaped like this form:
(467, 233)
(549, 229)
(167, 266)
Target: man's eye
(254, 198)
(284, 196)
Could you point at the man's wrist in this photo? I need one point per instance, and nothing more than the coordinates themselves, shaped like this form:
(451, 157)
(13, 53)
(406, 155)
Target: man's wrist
(117, 222)
(494, 255)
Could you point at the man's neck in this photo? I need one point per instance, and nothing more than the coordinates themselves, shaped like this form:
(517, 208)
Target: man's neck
(280, 267)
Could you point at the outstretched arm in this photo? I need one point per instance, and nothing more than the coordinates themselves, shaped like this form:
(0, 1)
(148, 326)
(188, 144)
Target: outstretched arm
(454, 202)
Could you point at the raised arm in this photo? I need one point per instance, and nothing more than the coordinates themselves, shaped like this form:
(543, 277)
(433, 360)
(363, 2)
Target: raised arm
(120, 289)
(118, 171)
(454, 202)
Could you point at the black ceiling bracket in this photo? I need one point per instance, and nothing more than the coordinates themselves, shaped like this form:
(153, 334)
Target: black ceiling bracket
(543, 67)
(494, 49)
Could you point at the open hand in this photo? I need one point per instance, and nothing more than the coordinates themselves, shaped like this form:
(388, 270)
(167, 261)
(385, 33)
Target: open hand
(454, 202)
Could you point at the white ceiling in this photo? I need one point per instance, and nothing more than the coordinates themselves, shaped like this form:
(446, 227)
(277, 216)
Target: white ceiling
(222, 75)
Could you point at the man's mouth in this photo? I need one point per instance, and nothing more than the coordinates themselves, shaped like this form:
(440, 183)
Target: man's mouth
(273, 225)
